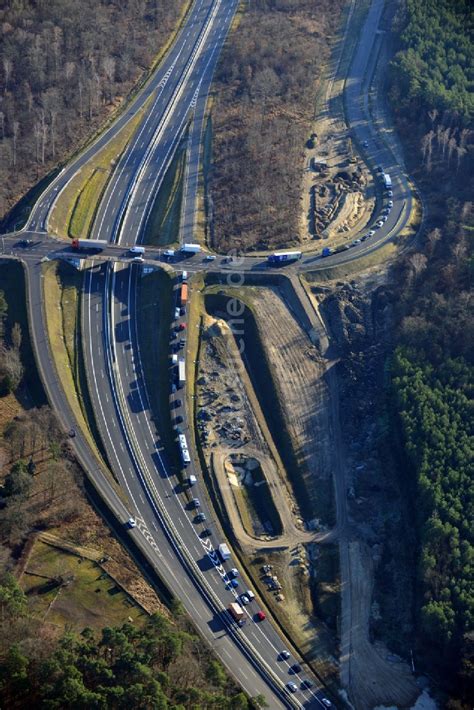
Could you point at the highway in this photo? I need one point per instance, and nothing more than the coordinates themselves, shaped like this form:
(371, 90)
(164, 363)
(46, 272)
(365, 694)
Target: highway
(167, 532)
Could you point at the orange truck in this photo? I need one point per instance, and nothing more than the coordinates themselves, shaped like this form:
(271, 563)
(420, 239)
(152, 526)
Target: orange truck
(184, 294)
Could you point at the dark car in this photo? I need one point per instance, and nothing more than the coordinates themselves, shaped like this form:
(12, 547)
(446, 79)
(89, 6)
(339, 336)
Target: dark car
(295, 668)
(206, 533)
(178, 419)
(306, 684)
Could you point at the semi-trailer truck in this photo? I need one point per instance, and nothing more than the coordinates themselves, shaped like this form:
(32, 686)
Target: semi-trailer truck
(96, 244)
(280, 257)
(191, 248)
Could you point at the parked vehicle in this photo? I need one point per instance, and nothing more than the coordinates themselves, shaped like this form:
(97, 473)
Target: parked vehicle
(183, 294)
(326, 252)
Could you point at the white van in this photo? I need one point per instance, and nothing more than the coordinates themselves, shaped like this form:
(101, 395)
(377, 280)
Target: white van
(137, 250)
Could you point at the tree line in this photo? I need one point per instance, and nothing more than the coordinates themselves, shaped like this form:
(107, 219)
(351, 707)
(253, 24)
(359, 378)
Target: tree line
(433, 375)
(64, 64)
(162, 665)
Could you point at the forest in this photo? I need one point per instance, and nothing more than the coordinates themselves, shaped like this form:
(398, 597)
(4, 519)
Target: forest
(432, 382)
(64, 66)
(161, 665)
(266, 88)
(435, 68)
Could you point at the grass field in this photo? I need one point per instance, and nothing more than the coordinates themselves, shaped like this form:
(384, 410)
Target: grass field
(85, 207)
(162, 226)
(90, 597)
(61, 288)
(75, 207)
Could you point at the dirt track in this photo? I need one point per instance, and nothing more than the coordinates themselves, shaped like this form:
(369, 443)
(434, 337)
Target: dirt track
(291, 535)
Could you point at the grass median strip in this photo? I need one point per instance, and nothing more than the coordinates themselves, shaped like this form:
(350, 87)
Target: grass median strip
(61, 287)
(75, 208)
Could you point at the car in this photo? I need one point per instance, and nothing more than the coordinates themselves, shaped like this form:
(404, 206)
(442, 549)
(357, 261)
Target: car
(306, 684)
(383, 218)
(389, 193)
(209, 257)
(138, 259)
(355, 242)
(72, 433)
(176, 313)
(173, 388)
(294, 669)
(379, 169)
(182, 326)
(261, 616)
(371, 233)
(25, 243)
(195, 503)
(326, 702)
(206, 533)
(284, 655)
(132, 523)
(390, 203)
(365, 144)
(233, 573)
(366, 236)
(182, 311)
(244, 599)
(181, 344)
(232, 584)
(379, 223)
(200, 518)
(386, 211)
(178, 429)
(292, 687)
(178, 419)
(250, 594)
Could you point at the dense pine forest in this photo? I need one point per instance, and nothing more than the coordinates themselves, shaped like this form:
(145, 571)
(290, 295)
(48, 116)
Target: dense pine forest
(432, 367)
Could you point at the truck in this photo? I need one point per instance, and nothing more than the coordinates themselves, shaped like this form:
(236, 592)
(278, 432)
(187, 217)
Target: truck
(181, 372)
(183, 294)
(192, 480)
(387, 181)
(96, 244)
(236, 612)
(224, 552)
(280, 257)
(185, 456)
(137, 250)
(190, 248)
(169, 253)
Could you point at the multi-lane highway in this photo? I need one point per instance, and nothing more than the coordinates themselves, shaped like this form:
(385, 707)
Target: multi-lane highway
(167, 531)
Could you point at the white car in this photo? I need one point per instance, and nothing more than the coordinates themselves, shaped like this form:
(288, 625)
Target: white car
(326, 702)
(132, 523)
(176, 313)
(379, 223)
(390, 203)
(355, 242)
(371, 233)
(209, 257)
(250, 594)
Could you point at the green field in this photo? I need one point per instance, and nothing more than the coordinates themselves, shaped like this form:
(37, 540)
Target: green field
(72, 592)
